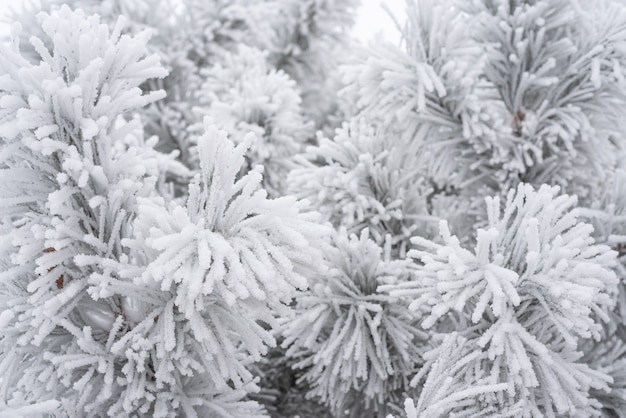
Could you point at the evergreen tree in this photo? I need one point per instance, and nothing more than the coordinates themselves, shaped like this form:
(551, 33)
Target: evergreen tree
(229, 208)
(358, 344)
(532, 290)
(101, 311)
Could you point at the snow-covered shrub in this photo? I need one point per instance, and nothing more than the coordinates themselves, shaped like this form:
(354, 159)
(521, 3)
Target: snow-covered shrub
(310, 43)
(361, 179)
(72, 170)
(358, 346)
(454, 386)
(244, 94)
(222, 222)
(493, 93)
(534, 287)
(100, 310)
(608, 215)
(225, 265)
(557, 66)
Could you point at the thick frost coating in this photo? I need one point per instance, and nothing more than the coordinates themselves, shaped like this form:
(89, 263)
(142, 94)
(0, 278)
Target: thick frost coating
(228, 259)
(135, 283)
(494, 93)
(358, 346)
(244, 94)
(362, 179)
(533, 288)
(90, 320)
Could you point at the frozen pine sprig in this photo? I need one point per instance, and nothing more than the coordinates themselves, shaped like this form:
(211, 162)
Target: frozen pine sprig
(361, 179)
(455, 275)
(74, 163)
(388, 67)
(556, 67)
(228, 261)
(534, 287)
(559, 264)
(310, 42)
(609, 357)
(37, 409)
(426, 96)
(358, 347)
(425, 92)
(534, 249)
(243, 94)
(74, 92)
(608, 215)
(454, 386)
(245, 245)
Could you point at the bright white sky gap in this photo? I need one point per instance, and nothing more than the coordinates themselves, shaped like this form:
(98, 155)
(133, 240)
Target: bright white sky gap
(374, 22)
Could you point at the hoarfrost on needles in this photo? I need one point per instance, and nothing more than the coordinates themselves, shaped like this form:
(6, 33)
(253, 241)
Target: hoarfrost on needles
(229, 208)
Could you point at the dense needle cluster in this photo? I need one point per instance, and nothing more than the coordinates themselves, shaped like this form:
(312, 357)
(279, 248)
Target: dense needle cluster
(230, 208)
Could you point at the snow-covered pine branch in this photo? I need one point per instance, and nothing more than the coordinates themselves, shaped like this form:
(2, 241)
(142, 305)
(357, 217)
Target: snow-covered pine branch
(114, 301)
(554, 72)
(243, 94)
(228, 263)
(532, 289)
(310, 43)
(608, 216)
(455, 386)
(74, 161)
(358, 346)
(361, 179)
(149, 267)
